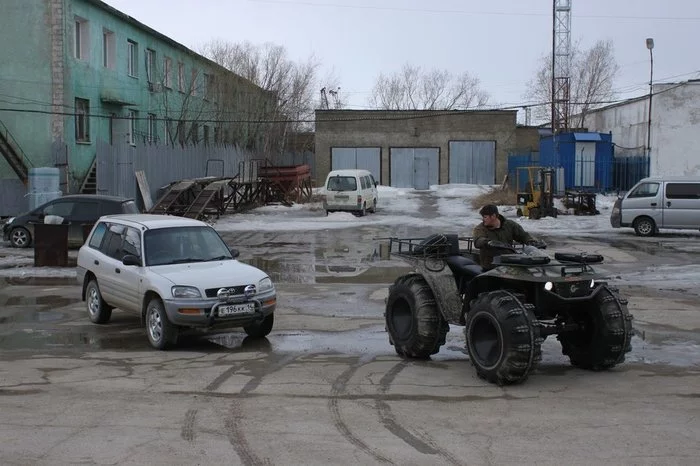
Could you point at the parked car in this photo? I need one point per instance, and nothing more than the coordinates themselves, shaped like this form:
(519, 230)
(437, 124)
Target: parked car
(350, 191)
(175, 273)
(659, 202)
(76, 210)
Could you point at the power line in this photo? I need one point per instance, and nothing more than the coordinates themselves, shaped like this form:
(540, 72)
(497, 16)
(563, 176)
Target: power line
(470, 12)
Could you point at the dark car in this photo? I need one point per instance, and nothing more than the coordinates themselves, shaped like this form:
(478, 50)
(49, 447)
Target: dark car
(77, 210)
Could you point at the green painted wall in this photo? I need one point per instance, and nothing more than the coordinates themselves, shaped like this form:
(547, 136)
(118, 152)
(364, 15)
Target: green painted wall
(31, 68)
(25, 79)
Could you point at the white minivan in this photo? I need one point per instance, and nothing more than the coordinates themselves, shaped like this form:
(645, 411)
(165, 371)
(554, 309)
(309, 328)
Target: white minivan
(659, 202)
(350, 191)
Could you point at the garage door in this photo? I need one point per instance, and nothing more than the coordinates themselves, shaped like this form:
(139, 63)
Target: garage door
(473, 162)
(414, 167)
(362, 158)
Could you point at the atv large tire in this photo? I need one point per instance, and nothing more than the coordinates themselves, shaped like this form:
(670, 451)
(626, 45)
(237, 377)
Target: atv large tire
(503, 340)
(605, 335)
(415, 326)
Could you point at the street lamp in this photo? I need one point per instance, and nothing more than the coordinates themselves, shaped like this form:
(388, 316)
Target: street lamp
(650, 46)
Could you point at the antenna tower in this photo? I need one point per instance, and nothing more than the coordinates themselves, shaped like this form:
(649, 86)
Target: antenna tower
(561, 64)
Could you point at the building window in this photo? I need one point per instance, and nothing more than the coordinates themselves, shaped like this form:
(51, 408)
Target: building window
(217, 135)
(181, 77)
(169, 136)
(133, 50)
(194, 133)
(81, 39)
(181, 132)
(193, 84)
(208, 86)
(109, 49)
(150, 64)
(205, 138)
(131, 136)
(168, 72)
(82, 120)
(152, 132)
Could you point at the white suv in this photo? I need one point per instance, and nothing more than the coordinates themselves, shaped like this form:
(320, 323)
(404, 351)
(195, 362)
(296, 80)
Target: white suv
(174, 272)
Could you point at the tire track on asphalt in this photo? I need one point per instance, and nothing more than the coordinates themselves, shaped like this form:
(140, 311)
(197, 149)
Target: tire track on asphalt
(188, 427)
(338, 389)
(233, 421)
(425, 444)
(237, 438)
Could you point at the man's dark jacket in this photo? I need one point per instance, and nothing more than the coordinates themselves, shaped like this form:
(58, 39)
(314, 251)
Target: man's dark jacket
(508, 232)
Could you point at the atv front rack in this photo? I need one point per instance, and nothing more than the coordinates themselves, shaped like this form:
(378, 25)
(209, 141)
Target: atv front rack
(437, 246)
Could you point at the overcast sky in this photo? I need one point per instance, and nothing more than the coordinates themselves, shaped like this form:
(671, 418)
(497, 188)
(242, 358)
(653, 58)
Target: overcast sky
(499, 42)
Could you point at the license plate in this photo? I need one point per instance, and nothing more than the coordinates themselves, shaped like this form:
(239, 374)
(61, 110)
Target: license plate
(235, 309)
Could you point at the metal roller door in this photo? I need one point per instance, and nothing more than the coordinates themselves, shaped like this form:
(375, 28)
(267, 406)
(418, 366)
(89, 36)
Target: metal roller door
(414, 167)
(473, 162)
(363, 158)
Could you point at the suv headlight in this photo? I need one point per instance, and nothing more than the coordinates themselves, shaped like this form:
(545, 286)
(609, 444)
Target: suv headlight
(185, 292)
(265, 285)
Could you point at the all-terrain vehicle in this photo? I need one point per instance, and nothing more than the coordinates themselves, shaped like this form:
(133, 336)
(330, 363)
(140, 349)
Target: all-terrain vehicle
(508, 310)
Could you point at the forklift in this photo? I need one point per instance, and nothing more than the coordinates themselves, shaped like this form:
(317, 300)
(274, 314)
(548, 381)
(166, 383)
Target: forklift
(535, 192)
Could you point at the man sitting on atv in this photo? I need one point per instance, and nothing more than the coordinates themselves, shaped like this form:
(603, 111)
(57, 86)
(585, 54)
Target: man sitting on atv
(496, 228)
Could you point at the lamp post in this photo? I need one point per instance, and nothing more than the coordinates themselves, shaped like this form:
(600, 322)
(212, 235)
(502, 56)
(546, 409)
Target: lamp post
(650, 46)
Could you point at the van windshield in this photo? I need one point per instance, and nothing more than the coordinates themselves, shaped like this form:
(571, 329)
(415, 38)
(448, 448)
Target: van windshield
(645, 190)
(342, 183)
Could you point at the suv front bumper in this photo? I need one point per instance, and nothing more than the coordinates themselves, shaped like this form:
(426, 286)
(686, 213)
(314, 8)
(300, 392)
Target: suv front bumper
(181, 312)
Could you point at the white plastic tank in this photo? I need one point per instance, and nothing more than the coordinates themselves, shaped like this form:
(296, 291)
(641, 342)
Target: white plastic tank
(43, 186)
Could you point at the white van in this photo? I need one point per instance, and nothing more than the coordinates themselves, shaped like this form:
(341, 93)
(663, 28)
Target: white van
(659, 202)
(350, 191)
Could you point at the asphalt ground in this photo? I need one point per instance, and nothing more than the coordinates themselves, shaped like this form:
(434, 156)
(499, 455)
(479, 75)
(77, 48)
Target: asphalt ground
(325, 387)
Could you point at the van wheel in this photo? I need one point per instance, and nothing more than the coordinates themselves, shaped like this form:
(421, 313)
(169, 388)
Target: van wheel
(374, 207)
(363, 212)
(644, 226)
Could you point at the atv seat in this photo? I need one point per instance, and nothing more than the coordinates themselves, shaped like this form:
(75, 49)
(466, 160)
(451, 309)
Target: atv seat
(463, 269)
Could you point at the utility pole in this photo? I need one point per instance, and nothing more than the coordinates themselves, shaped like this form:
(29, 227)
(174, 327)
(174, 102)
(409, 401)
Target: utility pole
(650, 46)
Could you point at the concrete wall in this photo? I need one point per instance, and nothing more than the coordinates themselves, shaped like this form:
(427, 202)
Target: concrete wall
(387, 129)
(675, 125)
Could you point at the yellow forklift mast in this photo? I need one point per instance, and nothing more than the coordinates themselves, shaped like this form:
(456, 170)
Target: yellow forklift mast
(535, 192)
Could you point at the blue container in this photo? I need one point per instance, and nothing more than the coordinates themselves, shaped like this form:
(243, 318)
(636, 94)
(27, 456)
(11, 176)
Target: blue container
(587, 159)
(43, 186)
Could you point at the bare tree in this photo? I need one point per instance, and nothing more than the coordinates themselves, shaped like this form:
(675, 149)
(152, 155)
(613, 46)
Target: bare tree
(591, 82)
(269, 67)
(415, 89)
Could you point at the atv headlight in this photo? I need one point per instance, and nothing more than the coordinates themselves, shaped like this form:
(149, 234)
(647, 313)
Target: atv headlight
(548, 286)
(265, 285)
(185, 292)
(592, 283)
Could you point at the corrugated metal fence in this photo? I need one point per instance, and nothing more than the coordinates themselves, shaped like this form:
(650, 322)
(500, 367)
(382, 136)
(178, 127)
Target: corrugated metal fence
(625, 171)
(116, 165)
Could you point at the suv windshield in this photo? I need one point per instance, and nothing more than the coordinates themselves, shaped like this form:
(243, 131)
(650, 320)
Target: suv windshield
(181, 245)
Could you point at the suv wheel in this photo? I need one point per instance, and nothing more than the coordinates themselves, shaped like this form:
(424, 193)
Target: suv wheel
(99, 311)
(20, 237)
(161, 333)
(261, 328)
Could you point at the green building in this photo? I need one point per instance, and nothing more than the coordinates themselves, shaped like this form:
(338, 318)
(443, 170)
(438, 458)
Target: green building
(77, 72)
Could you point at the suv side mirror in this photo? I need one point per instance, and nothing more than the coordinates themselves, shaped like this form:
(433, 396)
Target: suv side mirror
(130, 259)
(234, 252)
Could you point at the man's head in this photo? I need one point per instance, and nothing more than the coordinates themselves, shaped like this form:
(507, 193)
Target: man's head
(489, 214)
